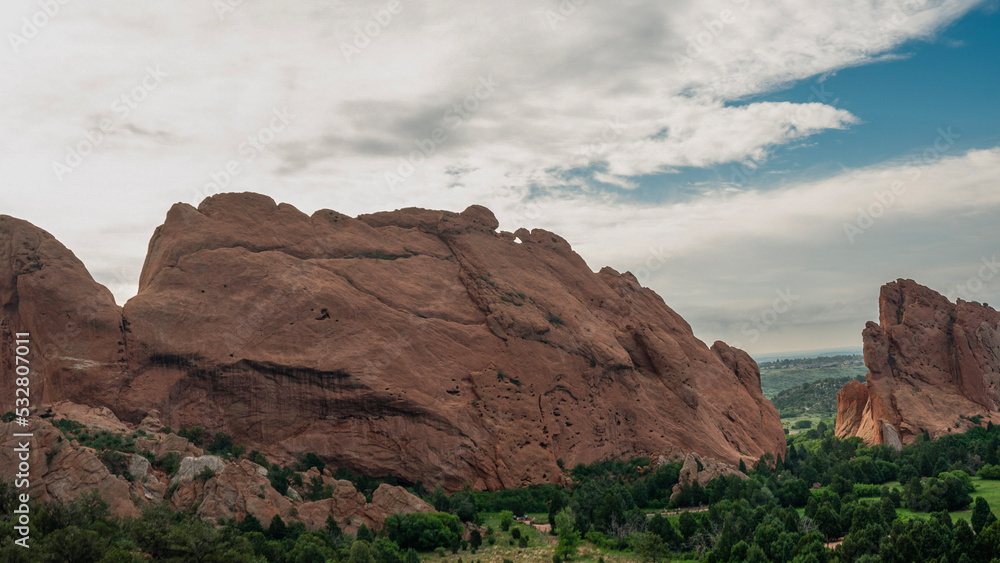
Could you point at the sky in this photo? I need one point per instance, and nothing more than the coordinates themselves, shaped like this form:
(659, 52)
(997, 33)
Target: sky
(764, 166)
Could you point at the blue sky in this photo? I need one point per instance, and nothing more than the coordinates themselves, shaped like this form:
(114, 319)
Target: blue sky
(617, 125)
(950, 80)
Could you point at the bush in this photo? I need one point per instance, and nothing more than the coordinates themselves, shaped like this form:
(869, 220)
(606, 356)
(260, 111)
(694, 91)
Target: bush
(222, 444)
(506, 519)
(196, 435)
(206, 473)
(989, 471)
(116, 462)
(309, 460)
(802, 424)
(861, 490)
(169, 463)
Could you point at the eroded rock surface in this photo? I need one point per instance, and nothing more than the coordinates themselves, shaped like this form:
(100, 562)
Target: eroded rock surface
(417, 342)
(932, 364)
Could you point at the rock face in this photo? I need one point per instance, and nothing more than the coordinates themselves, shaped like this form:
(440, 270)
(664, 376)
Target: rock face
(63, 470)
(421, 343)
(932, 364)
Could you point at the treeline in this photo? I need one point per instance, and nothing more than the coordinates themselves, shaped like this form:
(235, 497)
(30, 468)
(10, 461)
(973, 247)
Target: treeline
(813, 362)
(787, 510)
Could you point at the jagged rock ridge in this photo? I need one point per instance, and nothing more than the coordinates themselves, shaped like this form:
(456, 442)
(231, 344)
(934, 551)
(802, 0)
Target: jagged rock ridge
(932, 364)
(421, 343)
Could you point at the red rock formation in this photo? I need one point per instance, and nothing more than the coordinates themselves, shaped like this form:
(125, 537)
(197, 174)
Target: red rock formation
(63, 470)
(931, 364)
(417, 342)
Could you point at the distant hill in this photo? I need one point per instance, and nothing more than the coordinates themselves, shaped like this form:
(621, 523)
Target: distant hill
(816, 399)
(778, 375)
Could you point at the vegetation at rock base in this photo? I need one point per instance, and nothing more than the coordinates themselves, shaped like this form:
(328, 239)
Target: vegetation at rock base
(929, 503)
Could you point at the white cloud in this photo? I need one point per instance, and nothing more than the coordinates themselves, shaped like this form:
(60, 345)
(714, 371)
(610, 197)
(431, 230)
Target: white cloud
(621, 88)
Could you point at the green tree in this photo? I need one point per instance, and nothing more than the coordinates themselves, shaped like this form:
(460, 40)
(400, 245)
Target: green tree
(506, 519)
(688, 525)
(569, 537)
(332, 527)
(650, 547)
(250, 524)
(557, 502)
(277, 530)
(361, 552)
(439, 499)
(982, 516)
(365, 533)
(988, 541)
(475, 539)
(827, 522)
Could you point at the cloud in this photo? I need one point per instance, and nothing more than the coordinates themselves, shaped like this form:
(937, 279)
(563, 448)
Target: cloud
(438, 105)
(721, 259)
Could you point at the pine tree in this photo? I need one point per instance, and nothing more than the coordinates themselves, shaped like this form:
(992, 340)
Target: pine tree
(277, 529)
(365, 534)
(982, 516)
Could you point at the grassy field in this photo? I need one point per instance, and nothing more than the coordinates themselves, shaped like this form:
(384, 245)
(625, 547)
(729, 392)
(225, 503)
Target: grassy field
(988, 489)
(789, 423)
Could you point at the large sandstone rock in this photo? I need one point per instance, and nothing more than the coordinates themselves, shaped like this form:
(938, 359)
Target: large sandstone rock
(421, 343)
(932, 364)
(61, 472)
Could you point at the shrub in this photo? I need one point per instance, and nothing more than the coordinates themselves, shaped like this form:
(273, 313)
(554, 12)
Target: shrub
(169, 463)
(989, 471)
(196, 435)
(309, 460)
(206, 473)
(258, 458)
(222, 444)
(116, 463)
(425, 532)
(555, 319)
(506, 519)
